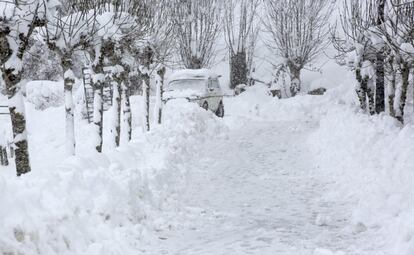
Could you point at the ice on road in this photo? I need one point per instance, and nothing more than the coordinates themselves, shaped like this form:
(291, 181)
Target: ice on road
(259, 192)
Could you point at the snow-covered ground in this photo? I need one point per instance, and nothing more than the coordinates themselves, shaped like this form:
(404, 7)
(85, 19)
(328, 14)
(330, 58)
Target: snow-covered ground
(262, 197)
(307, 175)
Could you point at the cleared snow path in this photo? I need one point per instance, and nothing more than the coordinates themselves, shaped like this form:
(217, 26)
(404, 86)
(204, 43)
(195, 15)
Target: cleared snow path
(258, 192)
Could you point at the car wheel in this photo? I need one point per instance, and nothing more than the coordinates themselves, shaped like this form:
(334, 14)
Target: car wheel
(205, 106)
(220, 110)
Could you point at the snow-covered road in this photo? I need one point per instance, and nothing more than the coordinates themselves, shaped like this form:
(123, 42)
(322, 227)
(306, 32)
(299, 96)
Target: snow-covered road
(258, 192)
(251, 183)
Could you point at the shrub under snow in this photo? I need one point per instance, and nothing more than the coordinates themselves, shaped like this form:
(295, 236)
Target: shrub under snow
(45, 94)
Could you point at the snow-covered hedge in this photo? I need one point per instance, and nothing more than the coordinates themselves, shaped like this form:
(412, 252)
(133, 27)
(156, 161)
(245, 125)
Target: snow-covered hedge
(41, 63)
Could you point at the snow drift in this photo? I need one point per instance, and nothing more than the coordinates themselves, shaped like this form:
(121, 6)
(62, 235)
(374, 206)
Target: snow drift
(368, 159)
(102, 204)
(257, 103)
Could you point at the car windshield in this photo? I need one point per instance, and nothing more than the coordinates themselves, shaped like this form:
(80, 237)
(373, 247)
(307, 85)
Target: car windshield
(188, 84)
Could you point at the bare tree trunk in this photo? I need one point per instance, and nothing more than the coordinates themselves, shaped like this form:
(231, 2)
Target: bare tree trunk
(370, 95)
(391, 90)
(3, 156)
(98, 114)
(238, 69)
(127, 112)
(295, 82)
(161, 73)
(146, 98)
(117, 112)
(412, 81)
(195, 63)
(380, 83)
(160, 92)
(405, 74)
(380, 66)
(98, 100)
(69, 81)
(361, 89)
(18, 119)
(6, 160)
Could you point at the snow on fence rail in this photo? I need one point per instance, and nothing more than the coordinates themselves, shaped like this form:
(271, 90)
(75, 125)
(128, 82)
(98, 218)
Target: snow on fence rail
(4, 110)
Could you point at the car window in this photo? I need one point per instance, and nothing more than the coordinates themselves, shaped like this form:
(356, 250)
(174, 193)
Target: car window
(210, 83)
(193, 84)
(215, 83)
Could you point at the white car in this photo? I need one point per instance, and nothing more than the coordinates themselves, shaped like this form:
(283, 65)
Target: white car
(201, 86)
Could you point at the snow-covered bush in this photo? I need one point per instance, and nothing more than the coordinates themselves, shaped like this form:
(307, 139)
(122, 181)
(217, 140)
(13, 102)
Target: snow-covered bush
(45, 94)
(41, 63)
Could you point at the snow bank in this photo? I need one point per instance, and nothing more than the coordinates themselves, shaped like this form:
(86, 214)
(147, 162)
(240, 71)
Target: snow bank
(257, 103)
(370, 161)
(103, 204)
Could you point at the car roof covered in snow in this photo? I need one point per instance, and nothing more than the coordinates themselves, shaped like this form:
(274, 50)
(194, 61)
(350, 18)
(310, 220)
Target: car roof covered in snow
(192, 74)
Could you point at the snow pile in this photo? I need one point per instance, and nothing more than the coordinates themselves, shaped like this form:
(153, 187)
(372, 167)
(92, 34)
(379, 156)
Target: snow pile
(45, 94)
(369, 160)
(108, 203)
(257, 103)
